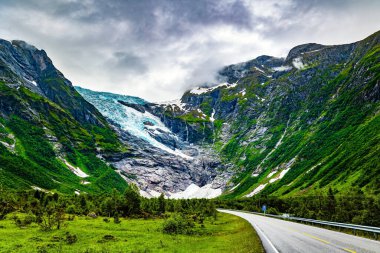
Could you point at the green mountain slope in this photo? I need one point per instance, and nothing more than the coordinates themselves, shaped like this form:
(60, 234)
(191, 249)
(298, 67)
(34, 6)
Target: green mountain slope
(294, 126)
(49, 135)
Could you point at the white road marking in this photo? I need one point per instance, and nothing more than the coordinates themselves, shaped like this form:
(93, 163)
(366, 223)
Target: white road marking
(266, 238)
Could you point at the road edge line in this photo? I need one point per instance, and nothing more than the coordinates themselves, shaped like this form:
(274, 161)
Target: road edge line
(255, 226)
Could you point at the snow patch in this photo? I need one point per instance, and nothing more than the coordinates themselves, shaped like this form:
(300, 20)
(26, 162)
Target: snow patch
(256, 190)
(40, 189)
(194, 191)
(259, 98)
(312, 168)
(212, 119)
(273, 180)
(31, 81)
(233, 188)
(176, 102)
(288, 166)
(298, 64)
(201, 90)
(282, 68)
(150, 194)
(243, 92)
(145, 194)
(271, 174)
(260, 70)
(282, 173)
(312, 51)
(75, 170)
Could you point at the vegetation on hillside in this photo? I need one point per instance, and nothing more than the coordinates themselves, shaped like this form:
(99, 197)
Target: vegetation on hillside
(39, 135)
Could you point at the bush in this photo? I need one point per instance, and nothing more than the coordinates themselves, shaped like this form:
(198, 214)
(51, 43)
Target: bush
(272, 210)
(71, 209)
(70, 239)
(92, 215)
(28, 219)
(107, 238)
(178, 224)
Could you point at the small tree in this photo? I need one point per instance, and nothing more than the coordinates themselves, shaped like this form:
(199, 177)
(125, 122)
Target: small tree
(161, 203)
(132, 201)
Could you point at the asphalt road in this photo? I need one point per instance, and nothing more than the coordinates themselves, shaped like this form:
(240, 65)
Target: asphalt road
(285, 236)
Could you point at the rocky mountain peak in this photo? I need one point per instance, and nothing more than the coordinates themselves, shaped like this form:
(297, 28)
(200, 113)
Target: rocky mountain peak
(23, 44)
(301, 49)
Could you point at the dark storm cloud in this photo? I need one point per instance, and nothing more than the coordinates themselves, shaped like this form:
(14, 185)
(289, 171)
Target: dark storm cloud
(145, 15)
(159, 48)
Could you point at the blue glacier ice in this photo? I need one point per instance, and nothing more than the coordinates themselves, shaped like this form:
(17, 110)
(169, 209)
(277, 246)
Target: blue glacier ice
(129, 119)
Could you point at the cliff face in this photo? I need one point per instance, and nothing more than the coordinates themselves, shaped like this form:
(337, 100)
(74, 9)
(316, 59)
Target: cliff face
(49, 135)
(158, 159)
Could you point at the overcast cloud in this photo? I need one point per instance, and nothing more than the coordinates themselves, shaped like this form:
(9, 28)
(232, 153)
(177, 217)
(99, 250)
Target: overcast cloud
(157, 49)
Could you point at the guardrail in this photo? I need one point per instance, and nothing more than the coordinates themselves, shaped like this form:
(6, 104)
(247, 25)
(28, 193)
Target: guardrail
(354, 227)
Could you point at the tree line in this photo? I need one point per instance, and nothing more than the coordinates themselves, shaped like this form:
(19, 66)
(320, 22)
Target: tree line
(50, 210)
(352, 207)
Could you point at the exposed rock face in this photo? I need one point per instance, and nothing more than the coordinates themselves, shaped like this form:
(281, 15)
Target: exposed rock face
(137, 107)
(155, 170)
(159, 160)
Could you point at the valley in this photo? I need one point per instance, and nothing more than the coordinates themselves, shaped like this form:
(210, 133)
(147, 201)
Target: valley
(274, 125)
(242, 126)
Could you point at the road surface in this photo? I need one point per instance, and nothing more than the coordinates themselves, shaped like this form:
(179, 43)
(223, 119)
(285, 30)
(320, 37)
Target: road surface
(285, 236)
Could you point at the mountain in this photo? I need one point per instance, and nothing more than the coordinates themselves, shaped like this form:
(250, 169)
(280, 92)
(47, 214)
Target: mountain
(290, 126)
(294, 125)
(50, 137)
(273, 126)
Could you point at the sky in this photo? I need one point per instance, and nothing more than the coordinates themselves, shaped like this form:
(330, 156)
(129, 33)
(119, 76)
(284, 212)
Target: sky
(158, 49)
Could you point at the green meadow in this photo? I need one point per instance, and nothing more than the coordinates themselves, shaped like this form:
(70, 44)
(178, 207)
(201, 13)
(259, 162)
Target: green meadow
(227, 233)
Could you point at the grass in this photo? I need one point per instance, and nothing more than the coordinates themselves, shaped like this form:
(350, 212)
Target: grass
(227, 234)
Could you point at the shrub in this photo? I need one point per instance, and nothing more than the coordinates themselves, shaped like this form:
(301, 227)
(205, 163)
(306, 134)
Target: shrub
(70, 239)
(178, 224)
(107, 238)
(28, 219)
(71, 209)
(92, 215)
(272, 210)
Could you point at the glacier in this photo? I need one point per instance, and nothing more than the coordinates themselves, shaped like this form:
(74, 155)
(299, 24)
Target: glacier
(142, 125)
